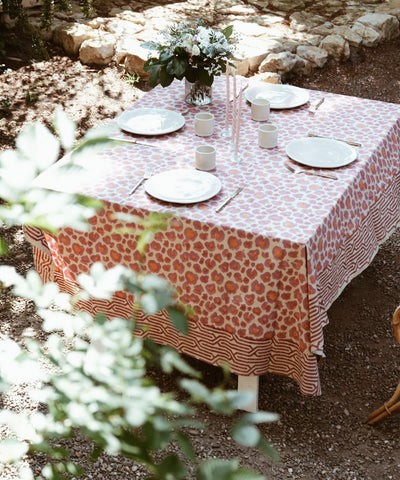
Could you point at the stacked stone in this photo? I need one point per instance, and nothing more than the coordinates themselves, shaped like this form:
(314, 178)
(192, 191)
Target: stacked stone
(275, 36)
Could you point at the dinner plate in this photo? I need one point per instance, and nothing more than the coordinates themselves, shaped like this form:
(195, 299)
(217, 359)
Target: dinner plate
(150, 121)
(321, 152)
(183, 186)
(279, 96)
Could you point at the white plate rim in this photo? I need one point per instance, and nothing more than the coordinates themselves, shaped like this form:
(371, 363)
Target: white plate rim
(303, 96)
(179, 121)
(216, 183)
(352, 152)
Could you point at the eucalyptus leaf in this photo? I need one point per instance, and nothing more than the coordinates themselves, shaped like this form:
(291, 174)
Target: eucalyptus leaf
(150, 45)
(227, 32)
(217, 469)
(65, 128)
(246, 474)
(246, 435)
(179, 319)
(37, 143)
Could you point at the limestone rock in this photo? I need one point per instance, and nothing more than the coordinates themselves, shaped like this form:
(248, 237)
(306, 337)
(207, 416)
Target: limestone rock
(135, 17)
(133, 56)
(99, 50)
(267, 77)
(287, 5)
(386, 25)
(348, 34)
(247, 29)
(304, 21)
(282, 62)
(256, 49)
(315, 55)
(71, 36)
(242, 66)
(119, 27)
(370, 37)
(391, 7)
(336, 46)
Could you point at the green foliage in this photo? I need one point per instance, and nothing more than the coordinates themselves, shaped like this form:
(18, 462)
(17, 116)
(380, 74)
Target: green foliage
(97, 382)
(132, 79)
(194, 52)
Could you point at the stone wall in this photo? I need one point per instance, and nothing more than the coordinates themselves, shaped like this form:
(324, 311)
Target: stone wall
(275, 36)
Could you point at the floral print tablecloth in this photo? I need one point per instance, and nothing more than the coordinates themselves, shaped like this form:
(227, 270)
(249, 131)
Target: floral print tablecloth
(262, 273)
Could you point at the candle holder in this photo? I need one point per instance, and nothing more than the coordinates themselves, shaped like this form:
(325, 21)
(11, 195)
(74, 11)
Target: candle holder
(235, 153)
(227, 132)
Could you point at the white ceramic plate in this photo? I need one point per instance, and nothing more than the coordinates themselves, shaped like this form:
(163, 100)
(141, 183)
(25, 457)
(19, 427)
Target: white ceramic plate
(321, 152)
(183, 186)
(150, 121)
(279, 96)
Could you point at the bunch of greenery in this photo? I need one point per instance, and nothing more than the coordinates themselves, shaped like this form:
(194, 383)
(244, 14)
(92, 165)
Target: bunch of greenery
(192, 51)
(95, 382)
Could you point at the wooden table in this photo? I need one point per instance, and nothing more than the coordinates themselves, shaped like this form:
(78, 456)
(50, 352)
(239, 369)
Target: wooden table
(262, 273)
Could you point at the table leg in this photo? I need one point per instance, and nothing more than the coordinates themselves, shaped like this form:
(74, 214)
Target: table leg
(249, 383)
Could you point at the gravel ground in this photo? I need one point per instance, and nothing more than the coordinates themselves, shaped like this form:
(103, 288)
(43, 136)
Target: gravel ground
(324, 437)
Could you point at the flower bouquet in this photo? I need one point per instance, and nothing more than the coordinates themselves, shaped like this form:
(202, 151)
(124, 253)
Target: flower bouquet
(194, 52)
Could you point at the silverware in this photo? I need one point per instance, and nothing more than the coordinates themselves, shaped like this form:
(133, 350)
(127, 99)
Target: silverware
(355, 144)
(133, 140)
(296, 169)
(315, 107)
(146, 176)
(225, 203)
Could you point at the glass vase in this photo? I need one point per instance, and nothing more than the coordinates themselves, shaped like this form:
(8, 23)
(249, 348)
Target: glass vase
(197, 93)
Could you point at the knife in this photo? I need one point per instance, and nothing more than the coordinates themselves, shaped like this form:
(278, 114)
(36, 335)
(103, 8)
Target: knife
(233, 195)
(133, 140)
(355, 144)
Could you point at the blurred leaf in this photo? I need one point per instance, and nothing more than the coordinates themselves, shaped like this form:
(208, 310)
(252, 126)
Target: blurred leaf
(246, 474)
(65, 128)
(37, 143)
(259, 417)
(246, 435)
(171, 467)
(217, 469)
(195, 388)
(265, 447)
(170, 359)
(179, 319)
(186, 446)
(12, 450)
(3, 247)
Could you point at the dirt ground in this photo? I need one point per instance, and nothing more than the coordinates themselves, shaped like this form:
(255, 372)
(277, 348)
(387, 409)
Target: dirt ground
(324, 437)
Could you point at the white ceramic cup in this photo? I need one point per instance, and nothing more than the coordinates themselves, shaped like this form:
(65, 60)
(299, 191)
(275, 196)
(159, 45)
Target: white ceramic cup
(268, 135)
(204, 124)
(205, 157)
(260, 108)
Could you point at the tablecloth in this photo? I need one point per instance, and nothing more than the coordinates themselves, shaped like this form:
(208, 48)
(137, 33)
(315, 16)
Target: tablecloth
(262, 273)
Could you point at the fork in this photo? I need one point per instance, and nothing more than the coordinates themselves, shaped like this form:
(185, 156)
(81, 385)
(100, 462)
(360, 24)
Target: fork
(146, 176)
(296, 169)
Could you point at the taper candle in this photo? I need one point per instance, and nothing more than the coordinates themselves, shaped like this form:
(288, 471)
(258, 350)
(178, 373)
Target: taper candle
(239, 114)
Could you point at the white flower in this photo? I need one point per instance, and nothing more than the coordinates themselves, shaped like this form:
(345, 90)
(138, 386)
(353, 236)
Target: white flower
(203, 36)
(195, 50)
(187, 42)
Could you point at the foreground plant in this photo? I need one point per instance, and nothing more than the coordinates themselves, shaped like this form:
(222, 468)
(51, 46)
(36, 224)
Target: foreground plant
(95, 379)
